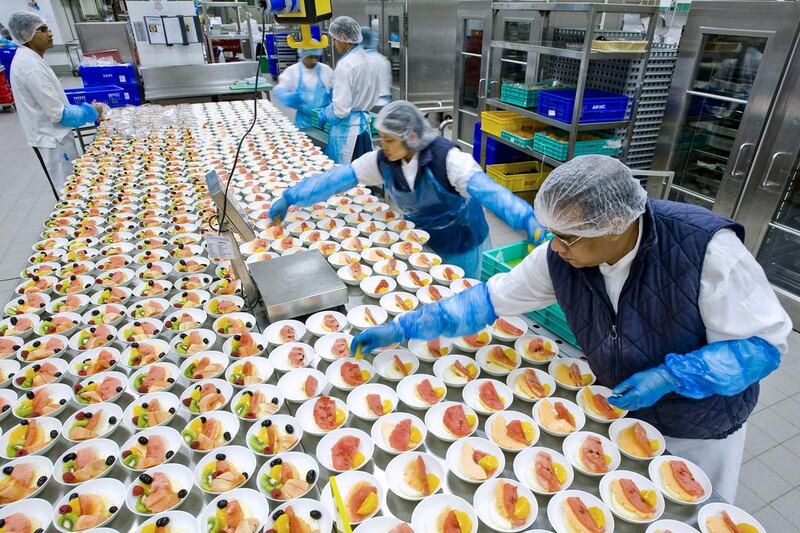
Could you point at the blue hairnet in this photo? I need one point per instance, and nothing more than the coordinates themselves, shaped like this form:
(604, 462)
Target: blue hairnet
(345, 29)
(309, 52)
(368, 41)
(23, 25)
(405, 121)
(590, 196)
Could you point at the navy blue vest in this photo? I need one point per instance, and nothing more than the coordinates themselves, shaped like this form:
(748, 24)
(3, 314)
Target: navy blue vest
(658, 314)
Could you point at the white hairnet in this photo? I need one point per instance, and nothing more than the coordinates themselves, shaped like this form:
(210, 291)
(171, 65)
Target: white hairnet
(590, 196)
(345, 29)
(23, 25)
(309, 52)
(404, 120)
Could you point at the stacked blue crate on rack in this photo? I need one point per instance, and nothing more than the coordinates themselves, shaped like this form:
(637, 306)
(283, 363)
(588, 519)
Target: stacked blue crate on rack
(115, 85)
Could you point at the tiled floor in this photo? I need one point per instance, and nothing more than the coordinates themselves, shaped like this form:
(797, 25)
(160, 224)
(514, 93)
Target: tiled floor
(770, 479)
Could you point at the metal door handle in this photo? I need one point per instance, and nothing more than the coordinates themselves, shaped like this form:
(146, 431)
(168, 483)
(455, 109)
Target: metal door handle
(734, 172)
(766, 183)
(482, 80)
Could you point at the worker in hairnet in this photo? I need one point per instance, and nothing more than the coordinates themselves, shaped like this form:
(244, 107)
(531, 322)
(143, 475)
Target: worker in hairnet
(379, 63)
(356, 88)
(305, 86)
(47, 118)
(440, 188)
(6, 38)
(672, 311)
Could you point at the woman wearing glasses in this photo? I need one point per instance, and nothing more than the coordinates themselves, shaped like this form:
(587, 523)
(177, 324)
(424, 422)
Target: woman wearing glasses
(669, 307)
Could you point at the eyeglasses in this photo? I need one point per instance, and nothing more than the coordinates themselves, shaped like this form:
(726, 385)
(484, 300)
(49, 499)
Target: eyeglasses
(564, 241)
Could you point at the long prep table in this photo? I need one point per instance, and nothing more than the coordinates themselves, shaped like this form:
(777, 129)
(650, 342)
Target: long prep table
(126, 521)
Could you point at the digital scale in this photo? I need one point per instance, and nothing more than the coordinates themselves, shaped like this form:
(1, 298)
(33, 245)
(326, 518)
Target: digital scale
(290, 286)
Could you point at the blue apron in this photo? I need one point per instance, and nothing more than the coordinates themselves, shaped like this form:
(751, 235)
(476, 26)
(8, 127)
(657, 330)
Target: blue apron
(314, 97)
(458, 228)
(340, 132)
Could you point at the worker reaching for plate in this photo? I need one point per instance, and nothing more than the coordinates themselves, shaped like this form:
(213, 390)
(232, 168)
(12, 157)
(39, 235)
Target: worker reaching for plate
(670, 308)
(305, 86)
(440, 188)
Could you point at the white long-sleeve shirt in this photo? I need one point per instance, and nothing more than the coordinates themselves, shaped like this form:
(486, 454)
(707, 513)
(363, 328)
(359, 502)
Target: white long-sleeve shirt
(736, 300)
(384, 68)
(39, 98)
(290, 77)
(356, 84)
(460, 167)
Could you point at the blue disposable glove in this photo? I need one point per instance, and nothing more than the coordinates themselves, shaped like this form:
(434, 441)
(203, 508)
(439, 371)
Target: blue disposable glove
(75, 116)
(643, 389)
(314, 189)
(373, 338)
(508, 207)
(328, 115)
(287, 98)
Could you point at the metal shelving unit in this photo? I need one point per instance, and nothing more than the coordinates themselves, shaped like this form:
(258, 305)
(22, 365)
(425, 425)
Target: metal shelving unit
(550, 49)
(243, 33)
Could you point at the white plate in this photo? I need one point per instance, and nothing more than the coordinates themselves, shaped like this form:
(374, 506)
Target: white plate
(324, 345)
(282, 421)
(407, 390)
(305, 415)
(384, 268)
(545, 379)
(59, 393)
(334, 372)
(384, 364)
(215, 301)
(314, 323)
(104, 448)
(100, 297)
(11, 307)
(196, 319)
(440, 273)
(111, 417)
(356, 244)
(433, 293)
(111, 490)
(508, 416)
(421, 350)
(259, 339)
(166, 400)
(400, 225)
(292, 384)
(343, 258)
(384, 238)
(642, 483)
(424, 260)
(193, 299)
(464, 346)
(515, 321)
(373, 255)
(580, 398)
(180, 478)
(354, 273)
(272, 332)
(379, 524)
(73, 318)
(177, 521)
(302, 462)
(426, 514)
(92, 354)
(454, 454)
(302, 508)
(482, 357)
(217, 358)
(42, 468)
(434, 420)
(279, 357)
(245, 319)
(228, 421)
(270, 392)
(161, 348)
(124, 330)
(20, 321)
(443, 369)
(572, 451)
(672, 525)
(12, 368)
(390, 303)
(38, 511)
(172, 377)
(224, 388)
(370, 284)
(555, 509)
(521, 345)
(395, 475)
(617, 427)
(486, 508)
(155, 289)
(10, 347)
(99, 379)
(460, 285)
(170, 436)
(357, 316)
(737, 515)
(572, 407)
(583, 367)
(251, 501)
(525, 469)
(74, 340)
(357, 400)
(408, 280)
(471, 395)
(314, 235)
(50, 426)
(654, 471)
(390, 420)
(82, 299)
(241, 457)
(328, 442)
(345, 482)
(24, 356)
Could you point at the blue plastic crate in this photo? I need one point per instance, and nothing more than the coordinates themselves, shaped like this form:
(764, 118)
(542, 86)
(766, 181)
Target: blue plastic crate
(108, 75)
(112, 95)
(597, 106)
(496, 152)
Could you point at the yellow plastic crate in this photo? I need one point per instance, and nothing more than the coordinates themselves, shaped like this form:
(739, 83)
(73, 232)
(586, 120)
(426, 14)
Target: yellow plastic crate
(494, 122)
(518, 177)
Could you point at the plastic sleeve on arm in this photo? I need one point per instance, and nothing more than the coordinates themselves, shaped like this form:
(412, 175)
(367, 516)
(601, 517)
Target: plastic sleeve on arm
(463, 314)
(322, 186)
(286, 97)
(725, 367)
(75, 116)
(509, 208)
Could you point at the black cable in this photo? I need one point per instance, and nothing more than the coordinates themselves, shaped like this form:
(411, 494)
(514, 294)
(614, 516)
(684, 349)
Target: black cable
(221, 221)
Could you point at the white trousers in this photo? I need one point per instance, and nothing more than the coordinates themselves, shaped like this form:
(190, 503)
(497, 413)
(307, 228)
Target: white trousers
(59, 160)
(720, 459)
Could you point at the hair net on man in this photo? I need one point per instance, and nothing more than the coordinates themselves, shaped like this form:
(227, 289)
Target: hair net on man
(309, 52)
(4, 33)
(590, 196)
(367, 40)
(345, 29)
(405, 121)
(23, 25)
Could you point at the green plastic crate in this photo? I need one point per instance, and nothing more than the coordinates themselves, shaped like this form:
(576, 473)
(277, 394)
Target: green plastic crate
(526, 94)
(507, 257)
(516, 139)
(559, 149)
